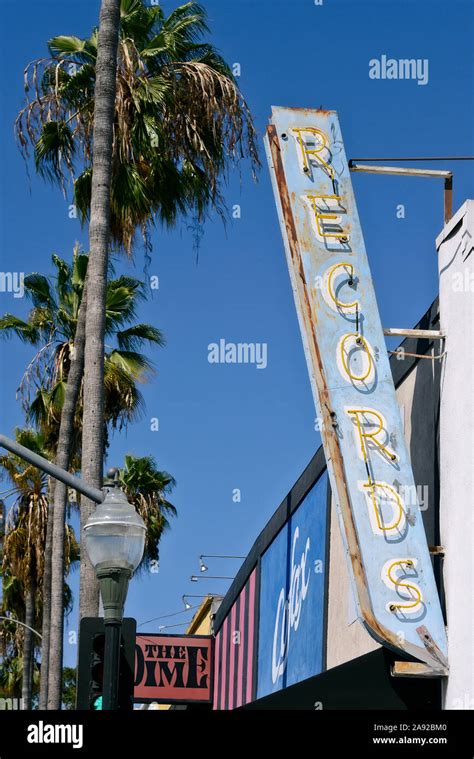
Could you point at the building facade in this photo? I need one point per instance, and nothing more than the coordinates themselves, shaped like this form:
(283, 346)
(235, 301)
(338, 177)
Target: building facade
(287, 632)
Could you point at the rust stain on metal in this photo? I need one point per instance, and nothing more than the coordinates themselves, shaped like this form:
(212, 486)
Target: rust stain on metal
(313, 110)
(431, 646)
(448, 199)
(415, 669)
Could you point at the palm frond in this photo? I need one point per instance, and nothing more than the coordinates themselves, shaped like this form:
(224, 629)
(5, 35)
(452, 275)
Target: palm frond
(146, 487)
(79, 270)
(54, 147)
(134, 364)
(57, 396)
(133, 338)
(39, 408)
(63, 45)
(123, 401)
(31, 439)
(38, 288)
(11, 325)
(122, 297)
(63, 277)
(42, 318)
(82, 193)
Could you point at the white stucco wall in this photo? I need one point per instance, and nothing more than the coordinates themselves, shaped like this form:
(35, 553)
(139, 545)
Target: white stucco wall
(456, 268)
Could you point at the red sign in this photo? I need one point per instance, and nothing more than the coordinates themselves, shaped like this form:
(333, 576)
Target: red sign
(173, 668)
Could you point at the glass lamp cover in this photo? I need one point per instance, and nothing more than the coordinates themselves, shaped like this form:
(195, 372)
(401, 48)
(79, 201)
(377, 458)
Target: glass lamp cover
(115, 533)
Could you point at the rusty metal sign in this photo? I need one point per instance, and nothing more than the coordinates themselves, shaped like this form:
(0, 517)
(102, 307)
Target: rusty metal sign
(368, 463)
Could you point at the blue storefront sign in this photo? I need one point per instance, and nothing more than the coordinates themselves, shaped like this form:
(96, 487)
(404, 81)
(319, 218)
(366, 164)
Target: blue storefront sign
(292, 592)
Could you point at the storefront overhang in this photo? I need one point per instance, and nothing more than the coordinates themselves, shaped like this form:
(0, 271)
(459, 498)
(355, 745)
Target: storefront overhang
(362, 683)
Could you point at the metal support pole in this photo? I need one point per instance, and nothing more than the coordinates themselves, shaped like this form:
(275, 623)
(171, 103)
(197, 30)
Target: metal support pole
(403, 171)
(428, 334)
(111, 664)
(55, 471)
(17, 622)
(113, 583)
(419, 158)
(448, 182)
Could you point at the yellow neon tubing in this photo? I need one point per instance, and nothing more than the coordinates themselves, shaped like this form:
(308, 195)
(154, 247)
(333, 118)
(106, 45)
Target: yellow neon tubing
(331, 216)
(404, 585)
(339, 303)
(313, 151)
(371, 434)
(372, 486)
(343, 359)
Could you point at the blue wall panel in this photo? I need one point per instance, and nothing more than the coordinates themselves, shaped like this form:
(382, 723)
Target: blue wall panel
(292, 591)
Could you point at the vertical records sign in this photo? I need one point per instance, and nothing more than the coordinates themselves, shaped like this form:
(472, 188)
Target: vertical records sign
(352, 385)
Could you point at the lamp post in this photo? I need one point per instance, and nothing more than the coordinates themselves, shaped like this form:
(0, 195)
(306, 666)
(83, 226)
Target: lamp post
(203, 567)
(115, 539)
(192, 595)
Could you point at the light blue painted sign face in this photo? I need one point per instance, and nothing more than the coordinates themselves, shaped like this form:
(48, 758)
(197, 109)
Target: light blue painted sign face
(292, 582)
(351, 378)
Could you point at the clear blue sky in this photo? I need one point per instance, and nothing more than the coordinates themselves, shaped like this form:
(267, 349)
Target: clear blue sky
(234, 426)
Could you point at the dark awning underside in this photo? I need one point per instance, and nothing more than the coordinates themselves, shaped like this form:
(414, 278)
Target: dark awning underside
(362, 683)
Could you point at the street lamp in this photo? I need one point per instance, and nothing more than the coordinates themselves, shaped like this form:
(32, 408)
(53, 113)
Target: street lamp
(114, 536)
(187, 595)
(115, 539)
(187, 605)
(204, 568)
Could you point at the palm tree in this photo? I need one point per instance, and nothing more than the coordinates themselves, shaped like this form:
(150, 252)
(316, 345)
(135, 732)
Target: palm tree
(46, 610)
(180, 122)
(69, 688)
(147, 119)
(52, 327)
(146, 487)
(99, 237)
(24, 544)
(11, 677)
(11, 633)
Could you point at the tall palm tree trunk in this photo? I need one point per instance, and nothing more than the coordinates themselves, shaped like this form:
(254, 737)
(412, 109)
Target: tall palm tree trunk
(46, 625)
(28, 648)
(63, 454)
(99, 233)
